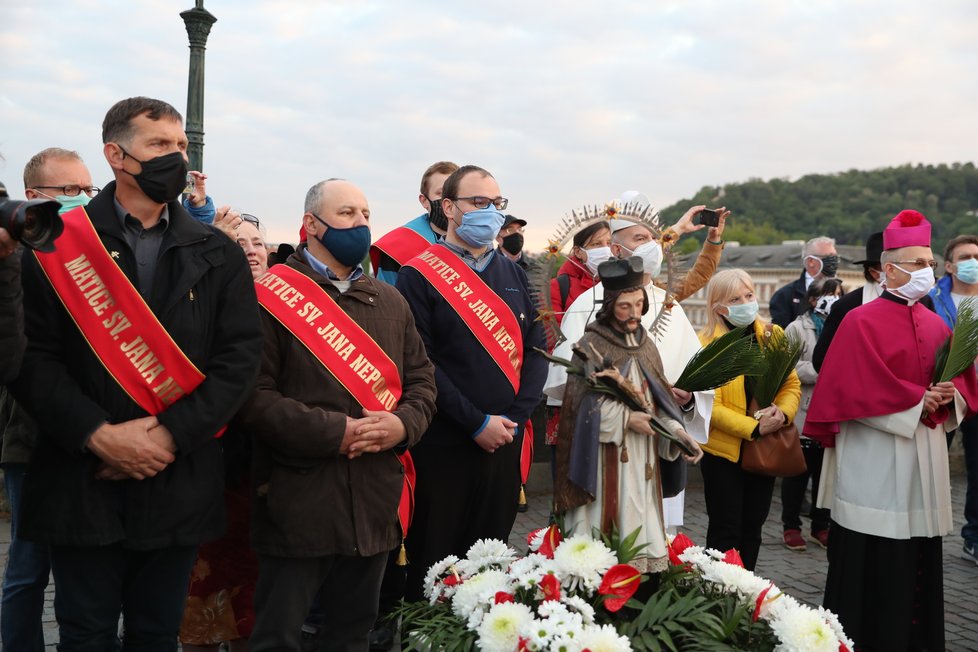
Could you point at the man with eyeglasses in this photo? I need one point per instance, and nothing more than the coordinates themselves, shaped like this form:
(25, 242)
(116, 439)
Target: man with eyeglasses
(143, 341)
(959, 284)
(819, 260)
(61, 175)
(885, 474)
(476, 317)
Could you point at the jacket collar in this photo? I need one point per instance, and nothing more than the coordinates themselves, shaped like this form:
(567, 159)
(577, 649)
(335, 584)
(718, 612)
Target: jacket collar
(182, 230)
(364, 289)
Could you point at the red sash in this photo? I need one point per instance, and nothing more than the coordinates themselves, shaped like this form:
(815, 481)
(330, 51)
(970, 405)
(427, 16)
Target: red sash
(340, 345)
(338, 342)
(122, 331)
(402, 244)
(489, 318)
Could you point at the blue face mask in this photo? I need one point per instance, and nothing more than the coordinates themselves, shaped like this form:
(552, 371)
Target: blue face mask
(742, 314)
(68, 203)
(480, 228)
(967, 271)
(347, 246)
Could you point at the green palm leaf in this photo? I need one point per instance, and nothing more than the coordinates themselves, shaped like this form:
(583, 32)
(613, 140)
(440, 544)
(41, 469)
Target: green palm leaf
(959, 350)
(781, 354)
(725, 358)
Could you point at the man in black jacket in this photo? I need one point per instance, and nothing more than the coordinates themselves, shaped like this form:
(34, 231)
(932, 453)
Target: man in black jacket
(123, 497)
(819, 260)
(12, 341)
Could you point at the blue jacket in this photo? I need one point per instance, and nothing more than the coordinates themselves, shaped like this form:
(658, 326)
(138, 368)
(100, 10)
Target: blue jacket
(471, 387)
(944, 306)
(388, 267)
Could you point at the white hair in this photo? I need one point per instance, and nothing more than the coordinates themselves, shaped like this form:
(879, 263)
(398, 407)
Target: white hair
(809, 247)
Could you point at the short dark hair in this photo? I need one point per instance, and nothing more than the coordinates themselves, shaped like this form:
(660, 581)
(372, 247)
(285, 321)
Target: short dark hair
(441, 167)
(822, 286)
(956, 242)
(582, 236)
(606, 313)
(450, 189)
(117, 126)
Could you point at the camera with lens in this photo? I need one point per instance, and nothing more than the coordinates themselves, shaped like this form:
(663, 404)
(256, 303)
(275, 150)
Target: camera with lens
(34, 222)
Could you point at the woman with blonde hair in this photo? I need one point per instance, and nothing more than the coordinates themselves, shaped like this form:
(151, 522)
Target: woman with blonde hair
(738, 501)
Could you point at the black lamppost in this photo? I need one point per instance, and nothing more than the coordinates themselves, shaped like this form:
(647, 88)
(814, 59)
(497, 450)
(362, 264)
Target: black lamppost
(198, 21)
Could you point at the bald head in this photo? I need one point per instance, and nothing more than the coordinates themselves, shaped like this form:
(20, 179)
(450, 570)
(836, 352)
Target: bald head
(338, 203)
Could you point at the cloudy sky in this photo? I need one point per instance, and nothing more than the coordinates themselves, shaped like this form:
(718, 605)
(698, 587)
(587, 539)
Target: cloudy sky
(567, 102)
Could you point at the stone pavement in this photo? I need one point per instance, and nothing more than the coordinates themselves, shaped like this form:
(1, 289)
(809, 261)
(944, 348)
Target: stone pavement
(802, 574)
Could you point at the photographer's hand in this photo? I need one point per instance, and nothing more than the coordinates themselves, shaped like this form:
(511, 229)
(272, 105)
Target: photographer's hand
(7, 244)
(199, 196)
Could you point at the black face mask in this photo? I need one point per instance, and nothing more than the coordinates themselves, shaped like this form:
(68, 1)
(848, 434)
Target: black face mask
(436, 215)
(162, 178)
(513, 243)
(830, 265)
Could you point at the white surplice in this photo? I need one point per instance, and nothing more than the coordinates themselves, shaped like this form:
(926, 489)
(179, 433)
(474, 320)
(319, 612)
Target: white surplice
(888, 476)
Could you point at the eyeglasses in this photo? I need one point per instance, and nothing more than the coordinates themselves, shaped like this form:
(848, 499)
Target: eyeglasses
(250, 219)
(71, 191)
(483, 202)
(920, 263)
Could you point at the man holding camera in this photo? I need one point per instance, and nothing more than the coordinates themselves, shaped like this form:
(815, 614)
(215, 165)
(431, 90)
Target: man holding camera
(144, 341)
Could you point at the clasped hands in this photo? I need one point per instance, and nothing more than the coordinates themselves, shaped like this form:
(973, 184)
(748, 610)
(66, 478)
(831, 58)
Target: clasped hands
(937, 395)
(377, 431)
(770, 419)
(136, 449)
(498, 432)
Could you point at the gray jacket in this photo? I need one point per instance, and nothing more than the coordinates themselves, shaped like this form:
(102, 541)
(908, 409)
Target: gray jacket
(803, 328)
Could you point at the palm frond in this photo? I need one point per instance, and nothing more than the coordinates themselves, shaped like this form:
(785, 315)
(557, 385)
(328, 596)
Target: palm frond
(725, 358)
(781, 354)
(959, 351)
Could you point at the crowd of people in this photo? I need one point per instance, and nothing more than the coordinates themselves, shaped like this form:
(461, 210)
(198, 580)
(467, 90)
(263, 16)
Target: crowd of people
(224, 444)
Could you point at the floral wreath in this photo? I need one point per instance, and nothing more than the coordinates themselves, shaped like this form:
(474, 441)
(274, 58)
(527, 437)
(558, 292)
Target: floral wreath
(548, 265)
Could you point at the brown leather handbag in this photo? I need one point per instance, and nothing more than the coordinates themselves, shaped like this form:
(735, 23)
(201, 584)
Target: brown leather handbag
(777, 453)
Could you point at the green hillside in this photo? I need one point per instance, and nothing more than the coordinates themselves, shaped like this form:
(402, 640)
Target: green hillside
(847, 206)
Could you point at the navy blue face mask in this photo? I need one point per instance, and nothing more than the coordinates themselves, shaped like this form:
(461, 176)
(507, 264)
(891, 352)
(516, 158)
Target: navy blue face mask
(348, 246)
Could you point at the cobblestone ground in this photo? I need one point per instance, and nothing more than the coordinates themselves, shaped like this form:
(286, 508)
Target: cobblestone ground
(802, 574)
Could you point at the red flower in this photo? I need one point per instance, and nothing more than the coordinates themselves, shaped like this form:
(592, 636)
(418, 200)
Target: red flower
(551, 587)
(502, 596)
(733, 557)
(619, 584)
(760, 601)
(676, 548)
(842, 647)
(551, 539)
(521, 645)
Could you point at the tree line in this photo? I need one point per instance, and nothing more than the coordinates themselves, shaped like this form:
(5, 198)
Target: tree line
(847, 206)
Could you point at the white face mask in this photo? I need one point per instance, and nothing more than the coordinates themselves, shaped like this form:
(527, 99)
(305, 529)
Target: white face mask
(824, 304)
(595, 257)
(651, 255)
(742, 314)
(920, 283)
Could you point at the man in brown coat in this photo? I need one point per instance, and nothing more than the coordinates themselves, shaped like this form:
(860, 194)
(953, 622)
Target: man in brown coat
(326, 474)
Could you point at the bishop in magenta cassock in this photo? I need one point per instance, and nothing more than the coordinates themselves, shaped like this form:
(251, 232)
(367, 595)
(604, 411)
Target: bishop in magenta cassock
(885, 475)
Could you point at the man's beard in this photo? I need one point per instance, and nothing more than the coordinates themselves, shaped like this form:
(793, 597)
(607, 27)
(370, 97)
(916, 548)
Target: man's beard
(629, 325)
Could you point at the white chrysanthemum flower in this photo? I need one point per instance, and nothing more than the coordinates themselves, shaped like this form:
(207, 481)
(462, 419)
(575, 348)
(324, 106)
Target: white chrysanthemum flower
(501, 627)
(804, 630)
(579, 605)
(490, 552)
(604, 639)
(478, 590)
(434, 590)
(538, 633)
(536, 538)
(476, 616)
(836, 626)
(566, 642)
(528, 571)
(580, 561)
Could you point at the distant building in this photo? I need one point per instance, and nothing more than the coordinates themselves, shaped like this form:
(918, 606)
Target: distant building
(771, 266)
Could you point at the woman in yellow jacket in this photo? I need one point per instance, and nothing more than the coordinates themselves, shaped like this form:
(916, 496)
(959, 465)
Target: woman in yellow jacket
(737, 501)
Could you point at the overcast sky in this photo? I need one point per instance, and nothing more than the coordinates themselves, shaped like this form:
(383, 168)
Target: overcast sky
(567, 103)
